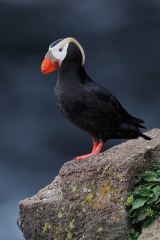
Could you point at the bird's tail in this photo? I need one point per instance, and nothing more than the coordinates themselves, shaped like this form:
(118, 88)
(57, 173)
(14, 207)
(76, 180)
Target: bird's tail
(144, 136)
(137, 123)
(131, 131)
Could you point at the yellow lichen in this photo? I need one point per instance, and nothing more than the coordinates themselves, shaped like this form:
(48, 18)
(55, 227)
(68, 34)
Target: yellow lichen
(89, 197)
(74, 189)
(57, 230)
(103, 207)
(85, 185)
(104, 190)
(100, 230)
(60, 215)
(114, 218)
(72, 206)
(120, 176)
(98, 169)
(121, 211)
(46, 227)
(112, 198)
(71, 225)
(95, 205)
(107, 181)
(69, 235)
(106, 167)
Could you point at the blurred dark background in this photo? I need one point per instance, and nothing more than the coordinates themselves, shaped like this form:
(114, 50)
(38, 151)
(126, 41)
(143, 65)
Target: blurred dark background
(122, 45)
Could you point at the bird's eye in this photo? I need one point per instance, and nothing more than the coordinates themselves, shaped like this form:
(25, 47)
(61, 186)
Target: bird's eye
(60, 49)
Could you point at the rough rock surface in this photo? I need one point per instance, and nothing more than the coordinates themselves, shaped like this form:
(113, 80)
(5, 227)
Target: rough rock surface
(152, 232)
(87, 199)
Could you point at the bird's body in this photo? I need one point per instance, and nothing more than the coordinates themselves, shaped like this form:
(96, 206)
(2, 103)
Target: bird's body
(91, 107)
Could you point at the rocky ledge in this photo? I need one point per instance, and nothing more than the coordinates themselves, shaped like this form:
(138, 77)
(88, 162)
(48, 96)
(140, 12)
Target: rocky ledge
(86, 201)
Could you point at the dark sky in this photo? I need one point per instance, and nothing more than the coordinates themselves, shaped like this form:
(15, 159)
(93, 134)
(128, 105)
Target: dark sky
(121, 40)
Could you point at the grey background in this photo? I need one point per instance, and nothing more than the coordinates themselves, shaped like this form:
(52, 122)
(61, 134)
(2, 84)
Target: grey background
(121, 40)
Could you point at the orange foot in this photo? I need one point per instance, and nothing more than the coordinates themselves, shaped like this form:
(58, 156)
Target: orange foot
(97, 147)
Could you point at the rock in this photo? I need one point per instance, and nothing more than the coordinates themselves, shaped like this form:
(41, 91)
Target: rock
(152, 232)
(87, 199)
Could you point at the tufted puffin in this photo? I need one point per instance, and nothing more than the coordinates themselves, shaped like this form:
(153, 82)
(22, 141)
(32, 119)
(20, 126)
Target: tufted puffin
(85, 103)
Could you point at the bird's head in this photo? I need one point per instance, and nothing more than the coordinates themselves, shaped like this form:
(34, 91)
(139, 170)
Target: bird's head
(61, 51)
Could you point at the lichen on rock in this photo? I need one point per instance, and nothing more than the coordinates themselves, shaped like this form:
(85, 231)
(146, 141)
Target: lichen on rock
(87, 199)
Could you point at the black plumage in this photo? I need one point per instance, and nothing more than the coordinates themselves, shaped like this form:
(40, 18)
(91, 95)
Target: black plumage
(90, 106)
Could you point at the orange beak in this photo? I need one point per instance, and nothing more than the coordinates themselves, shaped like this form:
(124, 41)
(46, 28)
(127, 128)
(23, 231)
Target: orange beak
(47, 66)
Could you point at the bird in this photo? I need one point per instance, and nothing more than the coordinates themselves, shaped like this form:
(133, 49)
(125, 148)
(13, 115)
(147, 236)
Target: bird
(85, 103)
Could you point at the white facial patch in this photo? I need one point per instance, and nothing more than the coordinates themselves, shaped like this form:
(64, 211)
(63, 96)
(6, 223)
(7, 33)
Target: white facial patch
(59, 52)
(70, 39)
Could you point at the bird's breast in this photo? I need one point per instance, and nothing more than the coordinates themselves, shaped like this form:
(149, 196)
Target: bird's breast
(71, 102)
